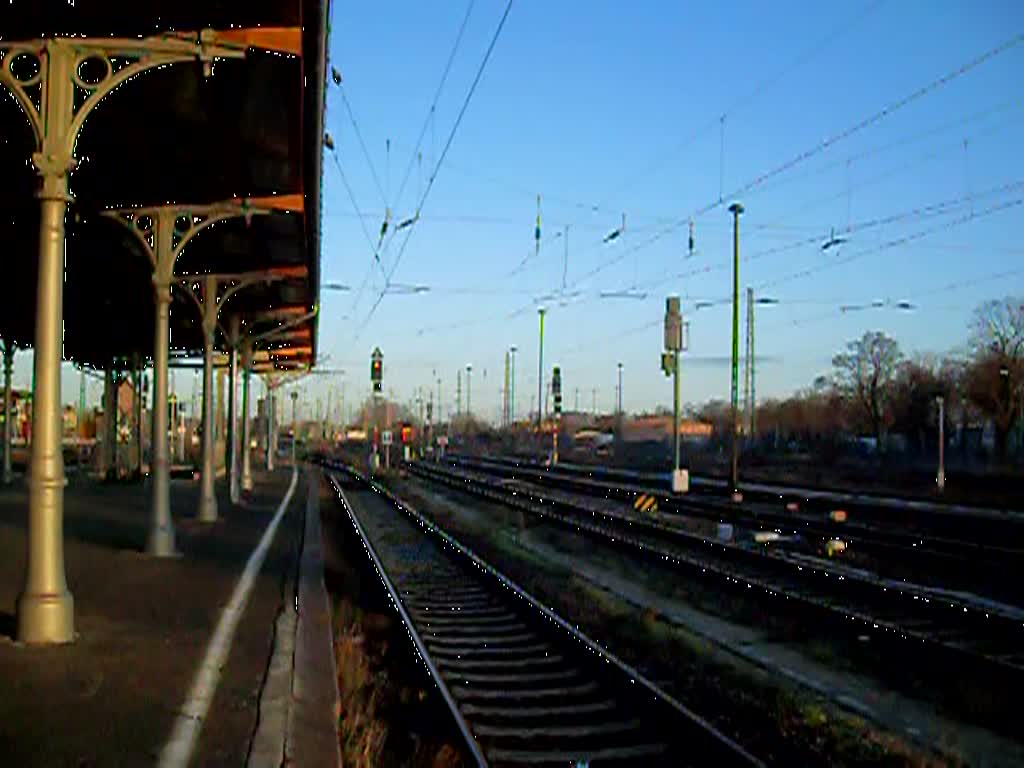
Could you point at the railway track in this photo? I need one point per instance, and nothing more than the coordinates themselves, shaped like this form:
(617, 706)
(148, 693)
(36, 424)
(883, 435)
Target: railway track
(912, 621)
(993, 558)
(878, 506)
(524, 687)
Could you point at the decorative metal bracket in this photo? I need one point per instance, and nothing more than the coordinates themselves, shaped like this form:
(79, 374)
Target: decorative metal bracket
(163, 231)
(59, 81)
(206, 292)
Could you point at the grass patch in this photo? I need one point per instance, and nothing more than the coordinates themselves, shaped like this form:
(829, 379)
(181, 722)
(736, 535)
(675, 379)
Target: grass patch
(362, 732)
(390, 712)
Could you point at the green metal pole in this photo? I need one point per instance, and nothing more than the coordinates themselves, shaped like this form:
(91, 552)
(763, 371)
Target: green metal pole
(512, 386)
(675, 413)
(753, 371)
(736, 209)
(8, 475)
(540, 374)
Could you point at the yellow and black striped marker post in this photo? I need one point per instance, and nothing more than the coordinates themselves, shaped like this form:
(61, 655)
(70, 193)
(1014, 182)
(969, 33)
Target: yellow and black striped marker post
(646, 503)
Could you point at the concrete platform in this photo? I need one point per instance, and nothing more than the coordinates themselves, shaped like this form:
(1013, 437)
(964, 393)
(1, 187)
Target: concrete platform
(144, 625)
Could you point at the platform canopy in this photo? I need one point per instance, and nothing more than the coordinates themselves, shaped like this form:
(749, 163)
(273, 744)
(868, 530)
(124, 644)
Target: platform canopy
(249, 130)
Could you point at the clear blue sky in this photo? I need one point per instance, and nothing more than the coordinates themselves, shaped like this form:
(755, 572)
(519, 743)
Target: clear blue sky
(617, 107)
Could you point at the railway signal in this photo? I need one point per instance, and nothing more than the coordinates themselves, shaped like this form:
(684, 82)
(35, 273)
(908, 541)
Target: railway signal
(376, 369)
(376, 386)
(556, 388)
(674, 345)
(556, 392)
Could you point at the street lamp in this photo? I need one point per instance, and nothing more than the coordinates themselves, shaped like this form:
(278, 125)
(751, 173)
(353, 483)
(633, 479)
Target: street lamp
(469, 373)
(540, 371)
(402, 289)
(902, 305)
(618, 409)
(512, 385)
(750, 368)
(620, 389)
(940, 478)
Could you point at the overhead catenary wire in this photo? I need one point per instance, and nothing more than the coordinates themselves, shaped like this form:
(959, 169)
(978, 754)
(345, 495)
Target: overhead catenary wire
(381, 245)
(888, 173)
(665, 219)
(756, 91)
(818, 148)
(957, 285)
(761, 87)
(941, 208)
(375, 261)
(903, 240)
(362, 144)
(931, 210)
(885, 246)
(849, 186)
(910, 138)
(440, 160)
(880, 114)
(428, 122)
(352, 198)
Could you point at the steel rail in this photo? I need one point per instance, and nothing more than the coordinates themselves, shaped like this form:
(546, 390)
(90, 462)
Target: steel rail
(802, 572)
(421, 648)
(720, 743)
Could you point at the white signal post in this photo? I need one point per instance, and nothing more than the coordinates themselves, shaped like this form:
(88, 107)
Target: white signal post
(674, 345)
(940, 478)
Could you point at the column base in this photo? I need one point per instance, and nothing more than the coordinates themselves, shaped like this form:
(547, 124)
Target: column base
(247, 485)
(46, 618)
(207, 509)
(161, 543)
(680, 481)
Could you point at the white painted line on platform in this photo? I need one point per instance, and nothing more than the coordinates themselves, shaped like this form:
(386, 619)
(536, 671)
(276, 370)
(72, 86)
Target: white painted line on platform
(178, 750)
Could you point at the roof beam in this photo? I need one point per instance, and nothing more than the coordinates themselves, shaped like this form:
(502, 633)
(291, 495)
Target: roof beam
(280, 39)
(294, 203)
(297, 334)
(291, 351)
(280, 313)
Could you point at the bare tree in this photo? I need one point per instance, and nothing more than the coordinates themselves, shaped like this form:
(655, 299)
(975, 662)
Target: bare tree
(995, 378)
(864, 373)
(917, 384)
(998, 328)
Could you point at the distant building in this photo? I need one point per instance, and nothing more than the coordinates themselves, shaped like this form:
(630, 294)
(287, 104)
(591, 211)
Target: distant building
(654, 429)
(70, 421)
